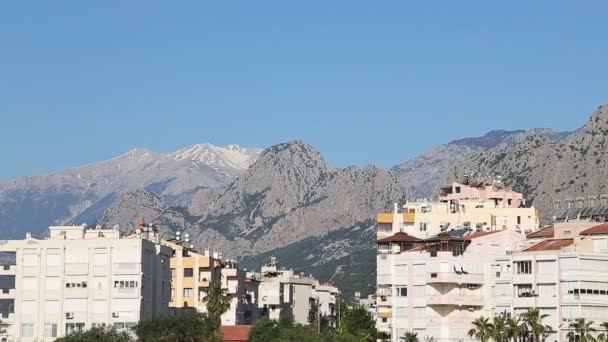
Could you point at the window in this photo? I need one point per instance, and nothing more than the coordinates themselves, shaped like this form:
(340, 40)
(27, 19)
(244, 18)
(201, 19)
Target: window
(518, 217)
(51, 307)
(524, 267)
(457, 189)
(29, 306)
(187, 292)
(188, 273)
(420, 313)
(100, 259)
(384, 320)
(401, 311)
(401, 270)
(30, 283)
(423, 226)
(27, 329)
(173, 274)
(53, 260)
(30, 260)
(509, 201)
(546, 266)
(126, 284)
(73, 328)
(50, 330)
(524, 290)
(52, 283)
(419, 291)
(401, 291)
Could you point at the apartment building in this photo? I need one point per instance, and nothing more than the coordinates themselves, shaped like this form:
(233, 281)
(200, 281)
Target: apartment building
(437, 286)
(562, 270)
(483, 205)
(78, 278)
(282, 293)
(191, 275)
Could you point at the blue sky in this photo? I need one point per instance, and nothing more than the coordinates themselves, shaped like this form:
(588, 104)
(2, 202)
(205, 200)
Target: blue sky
(363, 81)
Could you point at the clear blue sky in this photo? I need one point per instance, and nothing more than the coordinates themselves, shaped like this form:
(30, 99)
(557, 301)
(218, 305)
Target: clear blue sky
(363, 81)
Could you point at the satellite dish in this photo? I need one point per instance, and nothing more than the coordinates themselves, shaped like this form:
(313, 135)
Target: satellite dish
(138, 231)
(116, 227)
(84, 225)
(191, 246)
(98, 227)
(187, 235)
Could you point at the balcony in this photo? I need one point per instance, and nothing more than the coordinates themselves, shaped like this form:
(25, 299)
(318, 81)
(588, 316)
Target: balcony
(454, 278)
(7, 293)
(8, 270)
(449, 321)
(383, 301)
(455, 300)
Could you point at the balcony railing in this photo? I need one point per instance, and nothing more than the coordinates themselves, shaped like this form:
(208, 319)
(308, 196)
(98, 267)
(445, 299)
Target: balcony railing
(455, 278)
(455, 299)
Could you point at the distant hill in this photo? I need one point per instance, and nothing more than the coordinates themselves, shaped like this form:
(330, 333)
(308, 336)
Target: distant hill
(82, 194)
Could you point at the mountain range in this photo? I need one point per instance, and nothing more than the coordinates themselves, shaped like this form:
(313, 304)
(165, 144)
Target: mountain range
(286, 201)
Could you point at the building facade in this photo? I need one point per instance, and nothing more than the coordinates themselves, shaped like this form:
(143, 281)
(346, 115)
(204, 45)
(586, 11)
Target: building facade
(563, 271)
(437, 286)
(79, 278)
(481, 206)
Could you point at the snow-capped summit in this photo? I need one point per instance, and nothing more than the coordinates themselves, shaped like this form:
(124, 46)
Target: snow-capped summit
(229, 156)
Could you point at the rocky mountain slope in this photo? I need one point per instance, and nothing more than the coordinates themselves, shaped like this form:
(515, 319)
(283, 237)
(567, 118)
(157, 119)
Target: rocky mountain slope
(424, 174)
(82, 194)
(289, 203)
(546, 170)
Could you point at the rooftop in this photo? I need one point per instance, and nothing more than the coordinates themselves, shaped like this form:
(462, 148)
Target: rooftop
(546, 233)
(601, 229)
(399, 237)
(550, 245)
(234, 333)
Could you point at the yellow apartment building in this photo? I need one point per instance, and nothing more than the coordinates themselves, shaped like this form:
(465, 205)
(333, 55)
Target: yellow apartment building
(191, 275)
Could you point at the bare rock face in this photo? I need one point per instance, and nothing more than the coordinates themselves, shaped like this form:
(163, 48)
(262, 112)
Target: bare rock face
(80, 195)
(546, 170)
(286, 199)
(423, 175)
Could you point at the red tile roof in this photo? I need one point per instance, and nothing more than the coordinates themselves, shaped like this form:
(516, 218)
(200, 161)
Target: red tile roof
(399, 237)
(544, 233)
(601, 229)
(478, 235)
(235, 333)
(550, 245)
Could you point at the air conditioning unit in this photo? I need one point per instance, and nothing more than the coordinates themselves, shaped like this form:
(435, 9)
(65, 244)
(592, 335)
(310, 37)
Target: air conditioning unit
(115, 314)
(470, 308)
(69, 315)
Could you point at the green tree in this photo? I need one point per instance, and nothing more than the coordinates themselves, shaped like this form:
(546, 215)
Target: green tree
(515, 329)
(188, 327)
(533, 320)
(268, 330)
(482, 330)
(356, 321)
(97, 334)
(581, 331)
(217, 301)
(498, 329)
(410, 336)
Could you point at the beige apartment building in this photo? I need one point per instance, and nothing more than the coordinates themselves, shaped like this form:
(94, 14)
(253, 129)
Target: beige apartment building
(479, 206)
(79, 277)
(192, 274)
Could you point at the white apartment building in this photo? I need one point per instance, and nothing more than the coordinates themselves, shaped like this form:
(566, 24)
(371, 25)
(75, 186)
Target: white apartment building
(562, 270)
(282, 293)
(79, 277)
(437, 286)
(233, 279)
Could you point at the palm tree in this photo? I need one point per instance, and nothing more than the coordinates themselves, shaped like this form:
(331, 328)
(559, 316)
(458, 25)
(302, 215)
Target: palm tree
(533, 320)
(482, 330)
(218, 301)
(581, 331)
(603, 337)
(410, 336)
(515, 329)
(498, 329)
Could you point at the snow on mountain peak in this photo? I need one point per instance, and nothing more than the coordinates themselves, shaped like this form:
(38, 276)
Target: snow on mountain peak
(230, 156)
